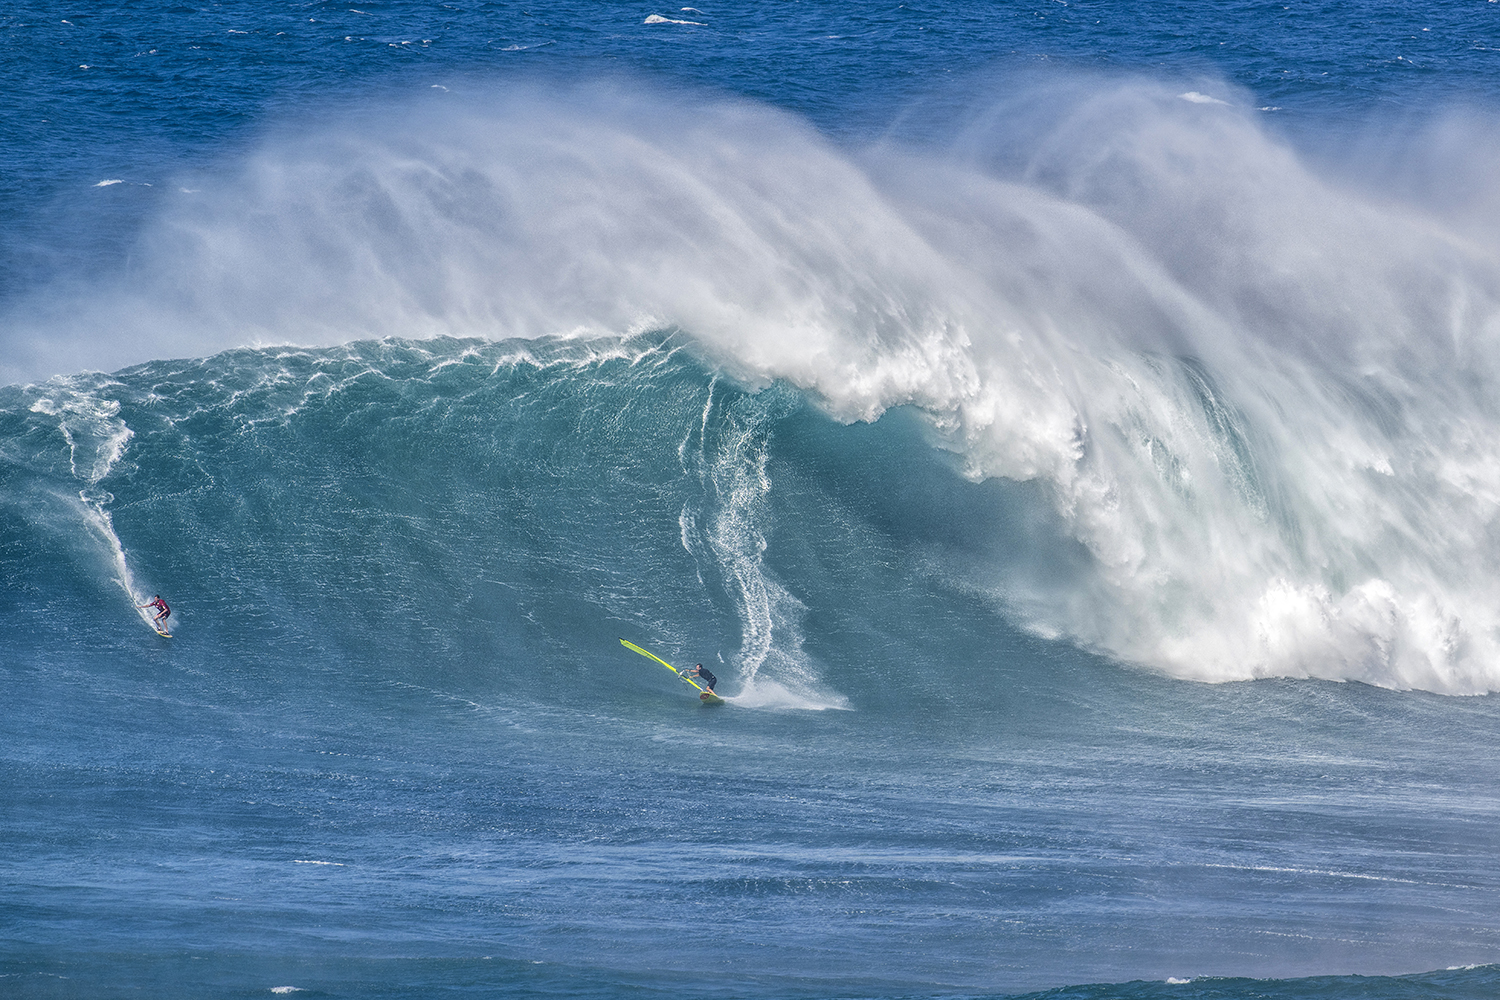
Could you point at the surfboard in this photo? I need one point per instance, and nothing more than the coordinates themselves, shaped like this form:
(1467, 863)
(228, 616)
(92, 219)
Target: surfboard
(161, 631)
(704, 694)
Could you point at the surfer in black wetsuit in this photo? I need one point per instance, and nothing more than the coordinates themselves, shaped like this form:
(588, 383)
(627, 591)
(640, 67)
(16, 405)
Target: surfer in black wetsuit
(707, 677)
(161, 606)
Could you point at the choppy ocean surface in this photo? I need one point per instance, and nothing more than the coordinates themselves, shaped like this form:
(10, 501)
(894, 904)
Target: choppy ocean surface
(1069, 431)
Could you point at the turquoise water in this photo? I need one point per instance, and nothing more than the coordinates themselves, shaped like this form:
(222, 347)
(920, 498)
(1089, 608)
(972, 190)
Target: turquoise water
(1065, 430)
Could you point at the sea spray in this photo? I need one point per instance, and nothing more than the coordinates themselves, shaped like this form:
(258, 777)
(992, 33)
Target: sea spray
(1257, 395)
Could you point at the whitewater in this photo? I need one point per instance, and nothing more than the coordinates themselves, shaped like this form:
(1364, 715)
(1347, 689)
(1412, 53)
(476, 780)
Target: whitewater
(1257, 399)
(1082, 480)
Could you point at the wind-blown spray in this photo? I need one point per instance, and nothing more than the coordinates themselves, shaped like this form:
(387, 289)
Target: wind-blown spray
(1258, 395)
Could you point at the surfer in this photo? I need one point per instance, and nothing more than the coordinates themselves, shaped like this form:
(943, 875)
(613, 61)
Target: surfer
(707, 677)
(164, 612)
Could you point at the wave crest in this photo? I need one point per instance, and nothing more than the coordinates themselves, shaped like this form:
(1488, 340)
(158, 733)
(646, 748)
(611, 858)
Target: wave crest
(1258, 393)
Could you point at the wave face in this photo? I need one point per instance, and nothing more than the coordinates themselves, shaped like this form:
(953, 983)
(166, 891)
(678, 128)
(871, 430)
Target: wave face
(1239, 406)
(542, 496)
(516, 501)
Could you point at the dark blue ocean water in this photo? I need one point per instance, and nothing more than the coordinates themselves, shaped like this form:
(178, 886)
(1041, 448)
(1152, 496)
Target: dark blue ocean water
(1067, 430)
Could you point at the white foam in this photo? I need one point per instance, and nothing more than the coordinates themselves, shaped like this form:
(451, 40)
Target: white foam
(764, 692)
(659, 19)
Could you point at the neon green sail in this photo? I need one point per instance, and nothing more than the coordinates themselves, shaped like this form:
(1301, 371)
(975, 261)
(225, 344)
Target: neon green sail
(658, 659)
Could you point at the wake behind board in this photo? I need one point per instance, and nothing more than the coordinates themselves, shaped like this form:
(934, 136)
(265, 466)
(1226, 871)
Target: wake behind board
(704, 694)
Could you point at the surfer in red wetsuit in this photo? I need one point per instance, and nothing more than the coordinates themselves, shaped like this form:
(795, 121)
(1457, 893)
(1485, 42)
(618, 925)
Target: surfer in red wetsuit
(164, 612)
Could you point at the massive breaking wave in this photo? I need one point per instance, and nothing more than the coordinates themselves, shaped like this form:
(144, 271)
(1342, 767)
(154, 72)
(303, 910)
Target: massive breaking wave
(1257, 394)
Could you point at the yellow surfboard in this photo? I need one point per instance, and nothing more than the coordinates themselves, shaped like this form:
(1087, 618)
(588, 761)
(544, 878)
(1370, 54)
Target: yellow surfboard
(704, 694)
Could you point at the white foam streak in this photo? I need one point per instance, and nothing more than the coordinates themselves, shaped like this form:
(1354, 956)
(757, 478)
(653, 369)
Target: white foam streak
(722, 531)
(97, 439)
(1259, 395)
